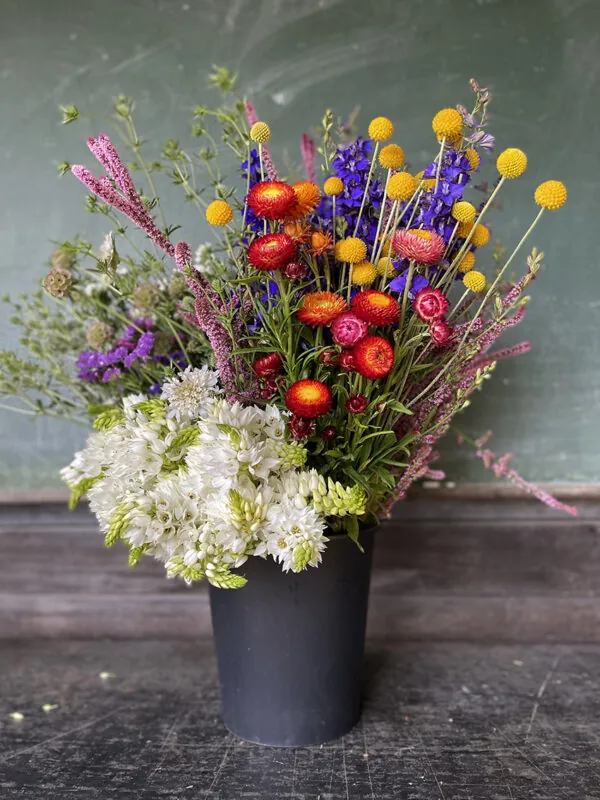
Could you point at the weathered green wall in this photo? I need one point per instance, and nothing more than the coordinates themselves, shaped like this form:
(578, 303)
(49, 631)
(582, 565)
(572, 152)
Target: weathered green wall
(399, 58)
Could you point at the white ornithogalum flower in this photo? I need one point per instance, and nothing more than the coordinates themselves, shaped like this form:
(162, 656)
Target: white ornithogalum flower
(290, 530)
(189, 393)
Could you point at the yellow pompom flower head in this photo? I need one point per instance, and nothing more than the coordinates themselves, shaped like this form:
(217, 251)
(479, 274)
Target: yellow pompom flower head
(391, 156)
(385, 267)
(468, 262)
(480, 236)
(333, 187)
(363, 274)
(474, 281)
(473, 158)
(551, 195)
(401, 186)
(463, 211)
(447, 124)
(352, 250)
(511, 163)
(381, 129)
(260, 132)
(219, 213)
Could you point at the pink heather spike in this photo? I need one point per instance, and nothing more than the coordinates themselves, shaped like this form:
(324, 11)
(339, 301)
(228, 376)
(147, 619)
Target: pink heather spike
(252, 118)
(183, 255)
(307, 147)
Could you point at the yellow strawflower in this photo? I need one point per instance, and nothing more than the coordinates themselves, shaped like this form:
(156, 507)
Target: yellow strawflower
(219, 213)
(391, 156)
(481, 236)
(511, 163)
(260, 132)
(385, 267)
(333, 186)
(473, 156)
(381, 129)
(468, 262)
(401, 186)
(352, 250)
(363, 274)
(551, 195)
(463, 211)
(447, 124)
(475, 281)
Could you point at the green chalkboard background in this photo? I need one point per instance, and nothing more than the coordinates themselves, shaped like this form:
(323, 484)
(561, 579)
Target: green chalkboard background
(403, 58)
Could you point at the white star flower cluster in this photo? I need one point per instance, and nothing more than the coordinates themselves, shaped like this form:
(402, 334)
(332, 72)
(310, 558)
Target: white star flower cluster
(202, 484)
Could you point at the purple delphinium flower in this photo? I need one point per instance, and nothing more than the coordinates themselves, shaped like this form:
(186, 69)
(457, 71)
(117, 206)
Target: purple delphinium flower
(435, 206)
(351, 163)
(417, 283)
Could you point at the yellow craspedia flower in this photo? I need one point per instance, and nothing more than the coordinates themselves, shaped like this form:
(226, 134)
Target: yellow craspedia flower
(468, 262)
(363, 274)
(333, 186)
(391, 156)
(428, 184)
(464, 229)
(551, 195)
(463, 211)
(385, 267)
(260, 132)
(352, 250)
(475, 281)
(473, 157)
(419, 176)
(481, 236)
(401, 186)
(219, 213)
(447, 124)
(381, 129)
(511, 163)
(386, 247)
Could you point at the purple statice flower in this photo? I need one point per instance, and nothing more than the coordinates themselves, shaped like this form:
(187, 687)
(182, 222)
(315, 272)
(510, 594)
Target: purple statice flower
(131, 347)
(417, 283)
(351, 163)
(141, 351)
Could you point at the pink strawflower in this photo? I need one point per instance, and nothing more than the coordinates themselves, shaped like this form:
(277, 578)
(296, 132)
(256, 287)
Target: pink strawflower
(441, 333)
(423, 249)
(430, 304)
(347, 329)
(307, 147)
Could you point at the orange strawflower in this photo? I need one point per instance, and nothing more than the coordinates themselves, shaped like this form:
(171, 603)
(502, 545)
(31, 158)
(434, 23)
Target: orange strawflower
(320, 243)
(308, 399)
(321, 308)
(297, 231)
(308, 195)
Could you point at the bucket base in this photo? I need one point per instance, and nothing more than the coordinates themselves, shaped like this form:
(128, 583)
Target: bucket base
(290, 647)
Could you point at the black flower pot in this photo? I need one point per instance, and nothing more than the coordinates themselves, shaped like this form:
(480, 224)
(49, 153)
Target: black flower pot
(290, 646)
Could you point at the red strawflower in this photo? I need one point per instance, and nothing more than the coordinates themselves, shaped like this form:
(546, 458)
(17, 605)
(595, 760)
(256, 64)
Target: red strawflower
(430, 304)
(373, 357)
(329, 358)
(308, 399)
(321, 308)
(265, 366)
(269, 389)
(346, 361)
(375, 307)
(441, 333)
(329, 434)
(347, 329)
(301, 428)
(356, 403)
(295, 270)
(271, 199)
(272, 251)
(424, 247)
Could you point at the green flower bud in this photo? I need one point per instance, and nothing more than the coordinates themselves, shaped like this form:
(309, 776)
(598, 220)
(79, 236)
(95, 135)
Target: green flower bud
(58, 283)
(146, 297)
(98, 335)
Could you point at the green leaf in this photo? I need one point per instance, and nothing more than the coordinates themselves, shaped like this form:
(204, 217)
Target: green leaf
(352, 528)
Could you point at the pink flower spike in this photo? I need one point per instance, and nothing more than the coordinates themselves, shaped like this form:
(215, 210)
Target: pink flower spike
(417, 248)
(307, 148)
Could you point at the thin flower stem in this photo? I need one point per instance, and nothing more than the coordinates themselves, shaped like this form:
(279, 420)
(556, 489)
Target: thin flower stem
(379, 221)
(247, 188)
(366, 191)
(439, 163)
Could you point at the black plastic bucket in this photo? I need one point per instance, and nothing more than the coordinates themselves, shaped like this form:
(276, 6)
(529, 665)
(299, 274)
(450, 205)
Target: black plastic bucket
(290, 646)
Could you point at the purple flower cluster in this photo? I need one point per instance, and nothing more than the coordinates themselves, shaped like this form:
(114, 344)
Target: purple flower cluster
(351, 163)
(133, 346)
(435, 207)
